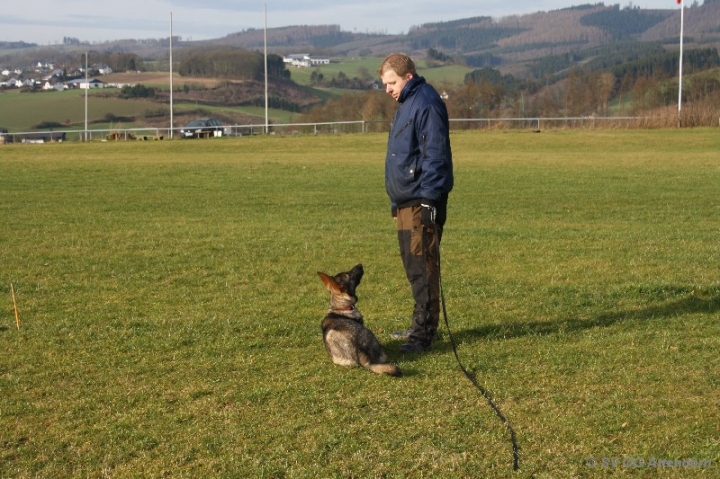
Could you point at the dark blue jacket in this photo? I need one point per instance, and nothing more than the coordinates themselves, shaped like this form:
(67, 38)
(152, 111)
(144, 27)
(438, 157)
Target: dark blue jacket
(418, 165)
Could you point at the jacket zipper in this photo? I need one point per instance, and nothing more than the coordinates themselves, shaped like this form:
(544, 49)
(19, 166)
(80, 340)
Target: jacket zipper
(403, 128)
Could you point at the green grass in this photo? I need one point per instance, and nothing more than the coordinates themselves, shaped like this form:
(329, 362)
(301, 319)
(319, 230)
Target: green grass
(20, 112)
(350, 66)
(275, 115)
(353, 67)
(169, 308)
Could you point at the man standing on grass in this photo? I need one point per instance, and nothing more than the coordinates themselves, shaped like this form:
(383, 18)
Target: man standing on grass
(418, 179)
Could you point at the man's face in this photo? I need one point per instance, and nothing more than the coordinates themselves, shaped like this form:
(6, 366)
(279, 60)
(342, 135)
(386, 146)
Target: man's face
(395, 83)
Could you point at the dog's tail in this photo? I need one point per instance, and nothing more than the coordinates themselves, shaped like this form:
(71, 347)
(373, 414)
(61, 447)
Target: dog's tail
(389, 369)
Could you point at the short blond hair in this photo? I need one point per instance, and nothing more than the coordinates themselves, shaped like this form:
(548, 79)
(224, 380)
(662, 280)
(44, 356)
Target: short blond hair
(400, 63)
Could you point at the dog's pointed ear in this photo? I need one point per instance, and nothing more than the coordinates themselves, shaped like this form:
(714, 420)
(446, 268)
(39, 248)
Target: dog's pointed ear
(328, 281)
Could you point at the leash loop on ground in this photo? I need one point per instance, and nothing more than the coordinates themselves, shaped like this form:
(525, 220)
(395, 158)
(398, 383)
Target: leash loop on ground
(486, 394)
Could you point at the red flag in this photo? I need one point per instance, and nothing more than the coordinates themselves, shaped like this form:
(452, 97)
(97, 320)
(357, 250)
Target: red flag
(679, 2)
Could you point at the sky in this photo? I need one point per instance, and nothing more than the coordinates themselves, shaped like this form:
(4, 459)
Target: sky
(47, 22)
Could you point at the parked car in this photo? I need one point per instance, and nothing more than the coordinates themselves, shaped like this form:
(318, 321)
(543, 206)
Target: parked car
(203, 128)
(44, 137)
(4, 136)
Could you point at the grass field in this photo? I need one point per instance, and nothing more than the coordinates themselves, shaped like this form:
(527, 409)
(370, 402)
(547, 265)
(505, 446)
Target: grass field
(20, 112)
(169, 309)
(356, 67)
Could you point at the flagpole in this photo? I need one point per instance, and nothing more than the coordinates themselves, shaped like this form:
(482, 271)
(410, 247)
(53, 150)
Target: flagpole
(266, 69)
(87, 87)
(682, 22)
(171, 78)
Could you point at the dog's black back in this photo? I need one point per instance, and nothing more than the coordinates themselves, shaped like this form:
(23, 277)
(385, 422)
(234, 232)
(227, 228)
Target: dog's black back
(347, 340)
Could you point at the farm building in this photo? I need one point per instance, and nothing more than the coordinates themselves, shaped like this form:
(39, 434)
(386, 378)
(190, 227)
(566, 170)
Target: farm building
(304, 60)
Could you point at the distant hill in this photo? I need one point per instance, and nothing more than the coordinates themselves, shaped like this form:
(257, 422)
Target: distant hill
(15, 45)
(585, 60)
(512, 44)
(521, 45)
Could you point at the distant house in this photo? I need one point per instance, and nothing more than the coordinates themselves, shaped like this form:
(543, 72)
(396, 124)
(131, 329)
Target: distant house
(304, 60)
(295, 57)
(319, 61)
(18, 83)
(104, 69)
(53, 74)
(89, 84)
(59, 86)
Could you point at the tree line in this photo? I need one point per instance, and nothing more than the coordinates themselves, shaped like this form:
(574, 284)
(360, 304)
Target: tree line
(118, 61)
(643, 84)
(622, 24)
(231, 63)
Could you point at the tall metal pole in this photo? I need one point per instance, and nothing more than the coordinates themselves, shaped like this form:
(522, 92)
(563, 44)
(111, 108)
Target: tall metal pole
(682, 22)
(87, 87)
(266, 71)
(171, 78)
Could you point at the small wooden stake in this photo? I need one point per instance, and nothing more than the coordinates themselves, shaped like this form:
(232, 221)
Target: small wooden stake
(17, 318)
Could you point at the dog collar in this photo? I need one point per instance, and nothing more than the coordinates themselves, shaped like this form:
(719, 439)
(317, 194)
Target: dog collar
(344, 308)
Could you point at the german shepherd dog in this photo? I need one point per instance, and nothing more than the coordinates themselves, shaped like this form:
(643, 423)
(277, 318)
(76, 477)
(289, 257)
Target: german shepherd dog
(347, 340)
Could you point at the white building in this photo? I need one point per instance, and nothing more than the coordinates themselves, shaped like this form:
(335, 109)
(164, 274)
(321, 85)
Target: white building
(45, 66)
(104, 69)
(54, 73)
(59, 86)
(304, 60)
(89, 84)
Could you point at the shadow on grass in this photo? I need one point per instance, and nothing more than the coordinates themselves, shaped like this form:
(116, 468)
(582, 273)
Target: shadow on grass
(688, 305)
(392, 348)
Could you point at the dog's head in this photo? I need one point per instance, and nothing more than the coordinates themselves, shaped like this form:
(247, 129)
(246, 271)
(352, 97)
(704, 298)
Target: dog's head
(342, 286)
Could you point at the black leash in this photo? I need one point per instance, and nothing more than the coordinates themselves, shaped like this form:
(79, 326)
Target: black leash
(470, 376)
